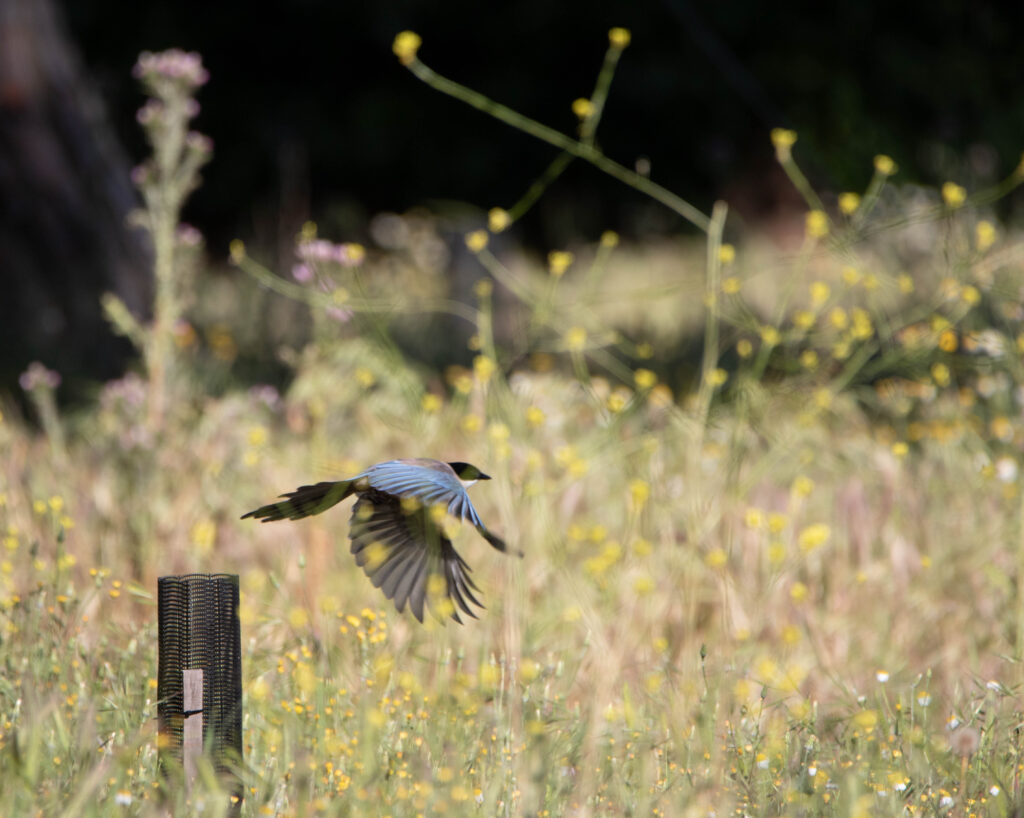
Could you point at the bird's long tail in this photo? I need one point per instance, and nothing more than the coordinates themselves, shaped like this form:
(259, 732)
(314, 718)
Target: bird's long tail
(304, 501)
(498, 543)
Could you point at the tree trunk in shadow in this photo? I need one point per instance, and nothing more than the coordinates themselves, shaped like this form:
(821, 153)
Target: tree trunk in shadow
(65, 195)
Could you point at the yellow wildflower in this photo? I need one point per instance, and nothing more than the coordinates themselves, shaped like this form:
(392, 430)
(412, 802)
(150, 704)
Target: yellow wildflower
(884, 165)
(783, 140)
(405, 46)
(644, 378)
(984, 235)
(576, 339)
(953, 194)
(498, 219)
(559, 261)
(816, 224)
(848, 203)
(619, 37)
(582, 107)
(477, 240)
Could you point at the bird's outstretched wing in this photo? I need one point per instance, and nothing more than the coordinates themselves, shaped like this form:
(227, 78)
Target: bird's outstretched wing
(304, 501)
(407, 556)
(431, 487)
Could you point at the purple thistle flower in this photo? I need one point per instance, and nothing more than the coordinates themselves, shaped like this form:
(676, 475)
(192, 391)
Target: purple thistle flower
(38, 376)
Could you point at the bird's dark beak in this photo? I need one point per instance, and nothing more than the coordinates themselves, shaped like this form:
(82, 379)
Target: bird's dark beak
(483, 476)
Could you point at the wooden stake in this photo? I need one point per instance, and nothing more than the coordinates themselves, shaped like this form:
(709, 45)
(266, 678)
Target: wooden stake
(192, 740)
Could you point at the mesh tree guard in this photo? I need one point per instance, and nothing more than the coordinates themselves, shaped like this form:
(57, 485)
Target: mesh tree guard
(199, 631)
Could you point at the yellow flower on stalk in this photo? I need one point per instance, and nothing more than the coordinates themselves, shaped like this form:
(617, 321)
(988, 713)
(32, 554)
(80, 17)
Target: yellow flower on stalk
(744, 348)
(940, 374)
(984, 235)
(953, 194)
(803, 486)
(906, 283)
(820, 292)
(364, 377)
(484, 367)
(619, 37)
(405, 46)
(884, 165)
(609, 239)
(498, 219)
(559, 261)
(862, 327)
(576, 339)
(948, 340)
(803, 319)
(726, 254)
(477, 240)
(813, 536)
(838, 318)
(716, 558)
(798, 592)
(848, 203)
(754, 518)
(809, 359)
(639, 492)
(582, 107)
(731, 285)
(717, 377)
(534, 417)
(783, 139)
(644, 379)
(770, 335)
(816, 224)
(970, 294)
(431, 403)
(851, 275)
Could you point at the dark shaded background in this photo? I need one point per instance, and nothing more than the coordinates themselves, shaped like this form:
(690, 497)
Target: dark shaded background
(312, 116)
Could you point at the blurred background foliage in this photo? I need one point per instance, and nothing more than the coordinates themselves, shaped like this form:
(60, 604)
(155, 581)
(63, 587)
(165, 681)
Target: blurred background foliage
(312, 117)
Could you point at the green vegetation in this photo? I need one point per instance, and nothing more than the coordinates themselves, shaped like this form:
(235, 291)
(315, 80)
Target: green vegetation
(792, 588)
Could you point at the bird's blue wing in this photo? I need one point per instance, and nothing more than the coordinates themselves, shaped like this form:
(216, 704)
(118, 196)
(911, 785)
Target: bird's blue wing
(430, 486)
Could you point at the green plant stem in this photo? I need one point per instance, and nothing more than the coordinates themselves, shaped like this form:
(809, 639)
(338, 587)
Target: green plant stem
(536, 190)
(584, 151)
(600, 95)
(796, 176)
(709, 357)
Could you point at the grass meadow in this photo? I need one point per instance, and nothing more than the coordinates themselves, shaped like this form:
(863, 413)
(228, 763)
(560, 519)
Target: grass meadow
(769, 498)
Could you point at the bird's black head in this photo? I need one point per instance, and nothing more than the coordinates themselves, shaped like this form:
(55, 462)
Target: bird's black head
(467, 472)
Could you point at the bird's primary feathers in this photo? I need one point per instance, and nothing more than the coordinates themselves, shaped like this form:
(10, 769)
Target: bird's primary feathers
(396, 532)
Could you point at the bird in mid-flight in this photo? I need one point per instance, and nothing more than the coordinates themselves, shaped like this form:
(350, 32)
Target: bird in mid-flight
(396, 529)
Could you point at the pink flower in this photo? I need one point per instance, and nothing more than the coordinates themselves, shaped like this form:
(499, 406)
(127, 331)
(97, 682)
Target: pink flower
(38, 376)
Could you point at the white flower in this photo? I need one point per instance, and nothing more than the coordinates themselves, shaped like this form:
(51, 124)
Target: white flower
(1006, 471)
(946, 801)
(882, 676)
(123, 798)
